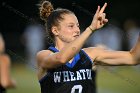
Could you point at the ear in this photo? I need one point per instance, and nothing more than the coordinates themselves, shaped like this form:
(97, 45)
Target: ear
(55, 30)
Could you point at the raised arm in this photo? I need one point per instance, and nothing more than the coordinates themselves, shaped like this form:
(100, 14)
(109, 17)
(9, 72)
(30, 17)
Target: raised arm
(47, 59)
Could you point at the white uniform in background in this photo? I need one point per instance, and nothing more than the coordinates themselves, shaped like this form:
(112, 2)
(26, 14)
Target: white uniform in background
(34, 42)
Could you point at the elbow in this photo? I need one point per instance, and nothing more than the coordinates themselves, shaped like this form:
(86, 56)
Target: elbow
(135, 59)
(134, 63)
(137, 63)
(62, 60)
(6, 84)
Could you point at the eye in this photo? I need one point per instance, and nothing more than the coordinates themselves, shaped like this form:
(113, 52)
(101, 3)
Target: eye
(71, 26)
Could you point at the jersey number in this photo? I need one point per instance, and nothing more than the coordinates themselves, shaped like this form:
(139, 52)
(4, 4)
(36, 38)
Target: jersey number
(78, 87)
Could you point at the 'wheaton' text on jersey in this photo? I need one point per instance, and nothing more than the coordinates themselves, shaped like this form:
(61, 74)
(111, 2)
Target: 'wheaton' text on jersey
(65, 76)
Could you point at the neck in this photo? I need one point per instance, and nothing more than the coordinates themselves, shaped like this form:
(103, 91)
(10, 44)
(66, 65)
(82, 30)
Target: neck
(60, 44)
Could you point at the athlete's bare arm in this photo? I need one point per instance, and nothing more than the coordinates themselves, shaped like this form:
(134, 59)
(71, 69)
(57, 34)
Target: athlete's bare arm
(109, 57)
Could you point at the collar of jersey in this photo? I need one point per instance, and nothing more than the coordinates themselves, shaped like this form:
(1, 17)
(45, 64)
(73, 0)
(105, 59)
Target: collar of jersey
(74, 61)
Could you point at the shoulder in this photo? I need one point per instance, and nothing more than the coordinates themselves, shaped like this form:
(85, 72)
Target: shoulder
(40, 56)
(43, 53)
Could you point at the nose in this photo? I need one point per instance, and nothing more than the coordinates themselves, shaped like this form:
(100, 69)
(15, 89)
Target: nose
(77, 30)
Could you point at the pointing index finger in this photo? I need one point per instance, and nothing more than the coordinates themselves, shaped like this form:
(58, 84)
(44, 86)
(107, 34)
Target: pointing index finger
(103, 8)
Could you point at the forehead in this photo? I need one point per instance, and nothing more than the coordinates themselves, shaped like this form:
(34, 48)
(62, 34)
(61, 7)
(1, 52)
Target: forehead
(70, 18)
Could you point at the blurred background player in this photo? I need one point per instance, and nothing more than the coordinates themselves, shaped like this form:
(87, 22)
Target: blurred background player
(5, 78)
(33, 40)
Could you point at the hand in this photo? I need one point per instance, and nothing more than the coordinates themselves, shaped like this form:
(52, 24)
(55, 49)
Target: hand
(99, 19)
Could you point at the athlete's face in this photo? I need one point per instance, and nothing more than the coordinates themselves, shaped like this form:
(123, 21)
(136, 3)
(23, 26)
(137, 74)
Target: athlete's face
(2, 45)
(68, 28)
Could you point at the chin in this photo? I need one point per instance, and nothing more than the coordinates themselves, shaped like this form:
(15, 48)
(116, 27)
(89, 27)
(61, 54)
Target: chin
(75, 38)
(69, 40)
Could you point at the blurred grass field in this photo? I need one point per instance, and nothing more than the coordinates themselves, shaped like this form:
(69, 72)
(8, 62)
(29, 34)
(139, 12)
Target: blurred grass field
(26, 78)
(109, 80)
(123, 79)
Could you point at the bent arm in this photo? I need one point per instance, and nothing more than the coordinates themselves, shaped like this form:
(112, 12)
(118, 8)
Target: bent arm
(107, 57)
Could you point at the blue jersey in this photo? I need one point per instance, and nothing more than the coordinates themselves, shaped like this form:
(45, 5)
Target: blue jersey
(74, 77)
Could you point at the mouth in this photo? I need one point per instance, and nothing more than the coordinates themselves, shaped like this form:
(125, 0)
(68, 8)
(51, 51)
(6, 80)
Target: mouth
(76, 36)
